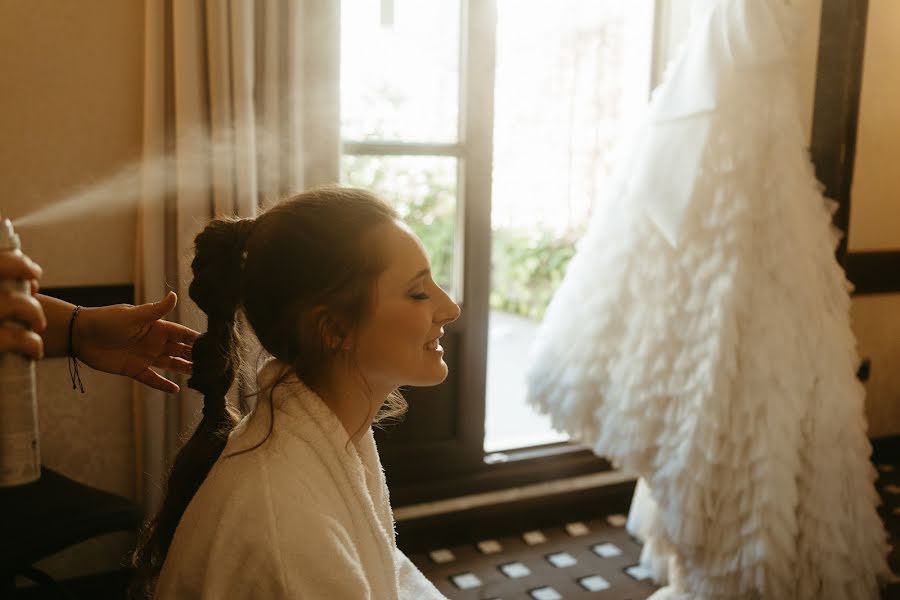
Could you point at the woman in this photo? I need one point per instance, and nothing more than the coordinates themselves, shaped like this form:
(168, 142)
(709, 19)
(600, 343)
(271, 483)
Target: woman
(291, 502)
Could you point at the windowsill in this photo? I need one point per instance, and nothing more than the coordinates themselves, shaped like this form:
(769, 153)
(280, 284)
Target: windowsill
(540, 465)
(515, 494)
(461, 520)
(535, 452)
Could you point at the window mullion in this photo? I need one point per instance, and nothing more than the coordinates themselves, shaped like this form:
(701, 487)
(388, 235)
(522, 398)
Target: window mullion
(476, 132)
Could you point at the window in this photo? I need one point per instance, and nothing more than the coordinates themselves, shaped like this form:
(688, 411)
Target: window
(400, 100)
(490, 124)
(565, 79)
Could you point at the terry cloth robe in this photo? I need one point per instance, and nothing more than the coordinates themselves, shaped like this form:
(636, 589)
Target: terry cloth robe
(305, 515)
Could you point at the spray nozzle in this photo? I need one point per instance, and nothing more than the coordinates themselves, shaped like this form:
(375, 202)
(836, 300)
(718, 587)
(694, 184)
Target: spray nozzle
(8, 238)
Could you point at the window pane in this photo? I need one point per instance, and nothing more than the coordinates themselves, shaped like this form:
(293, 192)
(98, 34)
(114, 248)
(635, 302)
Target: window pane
(400, 70)
(423, 190)
(562, 81)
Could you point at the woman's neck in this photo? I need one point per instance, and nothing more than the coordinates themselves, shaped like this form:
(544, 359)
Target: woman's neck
(345, 393)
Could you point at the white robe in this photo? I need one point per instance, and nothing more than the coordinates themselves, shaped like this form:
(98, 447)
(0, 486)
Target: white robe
(305, 515)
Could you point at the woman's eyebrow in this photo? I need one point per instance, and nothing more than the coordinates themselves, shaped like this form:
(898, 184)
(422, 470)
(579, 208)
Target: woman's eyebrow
(420, 274)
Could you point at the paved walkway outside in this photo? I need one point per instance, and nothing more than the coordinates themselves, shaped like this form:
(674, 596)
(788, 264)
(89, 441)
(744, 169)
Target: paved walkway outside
(509, 422)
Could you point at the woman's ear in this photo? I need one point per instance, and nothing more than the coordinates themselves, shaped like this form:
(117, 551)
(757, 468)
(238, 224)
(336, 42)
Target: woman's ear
(330, 329)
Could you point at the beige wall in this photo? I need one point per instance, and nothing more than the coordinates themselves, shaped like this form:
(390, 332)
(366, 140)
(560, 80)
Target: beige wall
(875, 211)
(70, 113)
(876, 322)
(875, 208)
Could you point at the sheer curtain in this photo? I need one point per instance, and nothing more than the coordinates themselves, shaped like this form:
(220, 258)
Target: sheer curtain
(240, 109)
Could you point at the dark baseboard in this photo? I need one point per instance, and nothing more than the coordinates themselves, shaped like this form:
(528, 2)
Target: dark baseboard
(874, 272)
(886, 449)
(110, 585)
(93, 295)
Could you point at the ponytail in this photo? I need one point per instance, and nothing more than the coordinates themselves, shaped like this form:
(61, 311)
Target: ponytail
(216, 289)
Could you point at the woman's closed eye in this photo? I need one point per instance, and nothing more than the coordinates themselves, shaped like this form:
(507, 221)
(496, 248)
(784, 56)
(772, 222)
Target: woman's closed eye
(419, 296)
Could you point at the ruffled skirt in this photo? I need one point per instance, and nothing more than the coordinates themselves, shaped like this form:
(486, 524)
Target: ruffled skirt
(722, 371)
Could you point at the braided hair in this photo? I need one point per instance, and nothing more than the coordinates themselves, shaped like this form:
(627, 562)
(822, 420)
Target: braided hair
(216, 355)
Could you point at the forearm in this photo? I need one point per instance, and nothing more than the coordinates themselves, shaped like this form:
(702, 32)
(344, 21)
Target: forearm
(56, 335)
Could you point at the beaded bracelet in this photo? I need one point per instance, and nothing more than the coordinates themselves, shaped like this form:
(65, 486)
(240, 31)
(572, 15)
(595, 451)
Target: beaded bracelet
(73, 360)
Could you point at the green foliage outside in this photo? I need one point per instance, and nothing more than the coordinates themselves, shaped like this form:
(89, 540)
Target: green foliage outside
(435, 224)
(526, 266)
(526, 269)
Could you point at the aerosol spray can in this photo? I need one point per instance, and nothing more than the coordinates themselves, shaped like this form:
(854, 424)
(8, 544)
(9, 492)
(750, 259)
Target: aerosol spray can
(20, 458)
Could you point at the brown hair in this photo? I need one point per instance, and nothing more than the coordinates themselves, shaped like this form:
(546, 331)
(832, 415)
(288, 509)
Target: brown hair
(312, 250)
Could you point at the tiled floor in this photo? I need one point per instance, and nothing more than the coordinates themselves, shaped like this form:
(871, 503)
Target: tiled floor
(593, 558)
(582, 559)
(889, 488)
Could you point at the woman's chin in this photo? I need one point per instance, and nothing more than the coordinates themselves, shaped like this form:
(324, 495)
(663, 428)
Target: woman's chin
(435, 376)
(443, 372)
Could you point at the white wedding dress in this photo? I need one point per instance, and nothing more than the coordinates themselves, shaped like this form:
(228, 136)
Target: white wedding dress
(701, 336)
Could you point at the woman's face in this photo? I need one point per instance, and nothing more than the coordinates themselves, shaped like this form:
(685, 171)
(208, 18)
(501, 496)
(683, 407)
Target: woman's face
(399, 342)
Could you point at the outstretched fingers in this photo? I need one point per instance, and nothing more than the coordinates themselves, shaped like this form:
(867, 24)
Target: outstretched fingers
(180, 334)
(175, 365)
(178, 350)
(154, 380)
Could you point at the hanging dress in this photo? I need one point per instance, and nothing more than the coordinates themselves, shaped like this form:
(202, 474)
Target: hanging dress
(701, 336)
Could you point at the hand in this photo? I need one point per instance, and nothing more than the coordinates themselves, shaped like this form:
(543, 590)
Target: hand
(21, 307)
(128, 340)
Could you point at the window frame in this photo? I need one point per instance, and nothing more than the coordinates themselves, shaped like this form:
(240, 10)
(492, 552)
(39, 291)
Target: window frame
(431, 470)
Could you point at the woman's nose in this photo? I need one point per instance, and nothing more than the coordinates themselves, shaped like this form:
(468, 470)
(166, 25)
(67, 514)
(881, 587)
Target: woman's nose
(449, 313)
